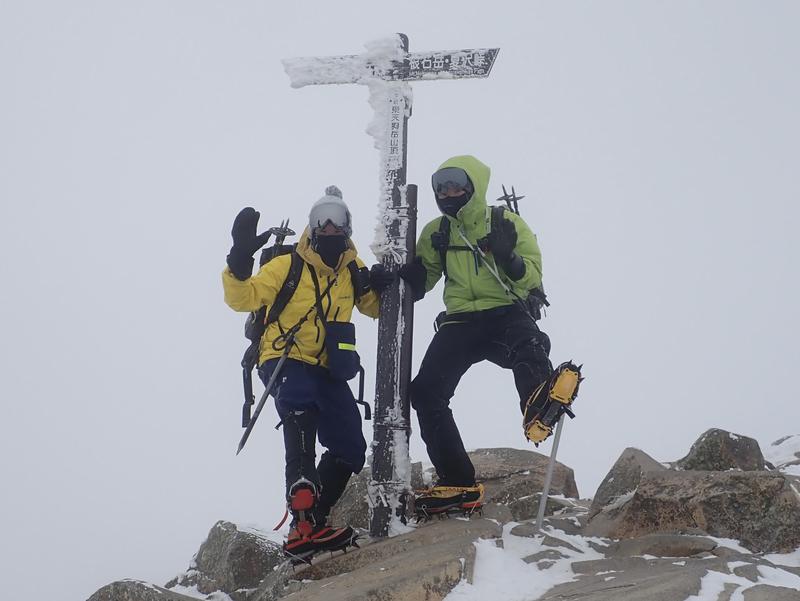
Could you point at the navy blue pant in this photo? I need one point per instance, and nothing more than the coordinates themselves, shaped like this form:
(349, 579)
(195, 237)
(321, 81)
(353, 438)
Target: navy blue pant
(506, 337)
(313, 405)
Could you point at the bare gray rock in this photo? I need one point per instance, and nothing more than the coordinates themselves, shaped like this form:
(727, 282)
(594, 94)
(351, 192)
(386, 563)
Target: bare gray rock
(718, 450)
(764, 592)
(495, 465)
(546, 555)
(136, 590)
(623, 478)
(661, 545)
(423, 565)
(760, 509)
(230, 560)
(635, 579)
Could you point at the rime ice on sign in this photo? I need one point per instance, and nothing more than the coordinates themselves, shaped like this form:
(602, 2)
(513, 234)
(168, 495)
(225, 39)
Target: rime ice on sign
(386, 68)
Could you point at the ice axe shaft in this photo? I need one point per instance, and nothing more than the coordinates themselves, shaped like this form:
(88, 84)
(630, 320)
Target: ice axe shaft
(275, 373)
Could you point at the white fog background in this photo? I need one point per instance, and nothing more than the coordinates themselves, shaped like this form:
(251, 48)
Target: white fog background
(657, 145)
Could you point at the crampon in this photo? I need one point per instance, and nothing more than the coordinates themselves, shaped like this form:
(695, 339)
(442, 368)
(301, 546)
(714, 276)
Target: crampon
(308, 538)
(552, 399)
(443, 501)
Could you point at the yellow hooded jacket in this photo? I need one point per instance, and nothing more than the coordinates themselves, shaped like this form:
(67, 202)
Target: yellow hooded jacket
(262, 288)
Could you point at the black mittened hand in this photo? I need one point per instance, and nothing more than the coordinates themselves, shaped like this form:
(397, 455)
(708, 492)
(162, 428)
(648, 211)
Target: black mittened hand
(416, 275)
(245, 243)
(380, 278)
(502, 242)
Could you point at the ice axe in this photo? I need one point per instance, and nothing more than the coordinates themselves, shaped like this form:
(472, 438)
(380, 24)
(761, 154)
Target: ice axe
(511, 200)
(281, 232)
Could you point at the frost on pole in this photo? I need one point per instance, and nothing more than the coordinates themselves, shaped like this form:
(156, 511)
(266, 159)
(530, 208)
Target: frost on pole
(386, 68)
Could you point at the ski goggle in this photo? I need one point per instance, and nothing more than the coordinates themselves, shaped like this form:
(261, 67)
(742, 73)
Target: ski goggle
(334, 213)
(451, 180)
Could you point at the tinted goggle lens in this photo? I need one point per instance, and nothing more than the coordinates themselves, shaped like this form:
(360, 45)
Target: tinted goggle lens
(323, 215)
(451, 179)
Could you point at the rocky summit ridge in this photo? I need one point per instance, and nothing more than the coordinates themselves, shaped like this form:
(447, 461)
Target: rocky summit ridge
(720, 524)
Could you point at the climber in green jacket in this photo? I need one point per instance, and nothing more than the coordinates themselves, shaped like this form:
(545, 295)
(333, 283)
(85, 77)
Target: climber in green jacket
(491, 262)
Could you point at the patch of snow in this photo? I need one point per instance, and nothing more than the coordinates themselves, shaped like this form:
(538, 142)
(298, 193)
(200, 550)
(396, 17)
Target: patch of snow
(500, 573)
(679, 563)
(621, 500)
(785, 559)
(713, 583)
(794, 489)
(731, 543)
(785, 452)
(398, 528)
(647, 557)
(733, 436)
(143, 583)
(191, 591)
(607, 578)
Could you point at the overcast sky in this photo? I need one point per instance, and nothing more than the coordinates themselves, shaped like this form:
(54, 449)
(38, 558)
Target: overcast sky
(656, 144)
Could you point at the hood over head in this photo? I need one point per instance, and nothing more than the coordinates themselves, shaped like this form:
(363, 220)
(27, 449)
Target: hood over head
(473, 214)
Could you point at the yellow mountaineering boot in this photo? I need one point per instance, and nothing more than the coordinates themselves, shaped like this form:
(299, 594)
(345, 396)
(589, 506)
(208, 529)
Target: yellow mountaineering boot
(448, 499)
(550, 401)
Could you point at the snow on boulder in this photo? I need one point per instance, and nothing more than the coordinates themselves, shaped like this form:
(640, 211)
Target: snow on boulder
(718, 450)
(623, 478)
(136, 590)
(784, 454)
(231, 559)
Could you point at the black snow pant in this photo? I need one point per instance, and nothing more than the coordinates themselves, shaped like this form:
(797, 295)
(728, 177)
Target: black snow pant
(507, 337)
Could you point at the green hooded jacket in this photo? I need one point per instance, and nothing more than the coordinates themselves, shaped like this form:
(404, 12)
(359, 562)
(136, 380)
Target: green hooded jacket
(467, 289)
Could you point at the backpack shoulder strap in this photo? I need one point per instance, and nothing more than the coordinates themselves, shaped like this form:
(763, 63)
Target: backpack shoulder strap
(358, 279)
(288, 288)
(440, 240)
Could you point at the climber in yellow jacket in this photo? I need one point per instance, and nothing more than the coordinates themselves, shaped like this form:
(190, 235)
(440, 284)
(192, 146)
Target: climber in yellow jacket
(311, 393)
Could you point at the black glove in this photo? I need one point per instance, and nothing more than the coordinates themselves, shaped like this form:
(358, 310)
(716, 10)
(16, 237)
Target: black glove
(502, 242)
(245, 243)
(380, 278)
(416, 275)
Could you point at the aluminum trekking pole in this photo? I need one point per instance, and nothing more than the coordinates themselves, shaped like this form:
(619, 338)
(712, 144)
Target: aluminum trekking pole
(275, 373)
(549, 476)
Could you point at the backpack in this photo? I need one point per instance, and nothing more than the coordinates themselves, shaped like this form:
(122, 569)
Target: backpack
(440, 241)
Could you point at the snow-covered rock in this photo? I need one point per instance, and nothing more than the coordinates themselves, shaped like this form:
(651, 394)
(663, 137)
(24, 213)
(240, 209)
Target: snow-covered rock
(784, 454)
(623, 478)
(232, 560)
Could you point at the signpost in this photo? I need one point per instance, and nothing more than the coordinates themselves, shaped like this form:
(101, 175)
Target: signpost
(386, 68)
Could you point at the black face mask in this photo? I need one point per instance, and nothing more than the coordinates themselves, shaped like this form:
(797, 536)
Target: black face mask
(450, 205)
(330, 249)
